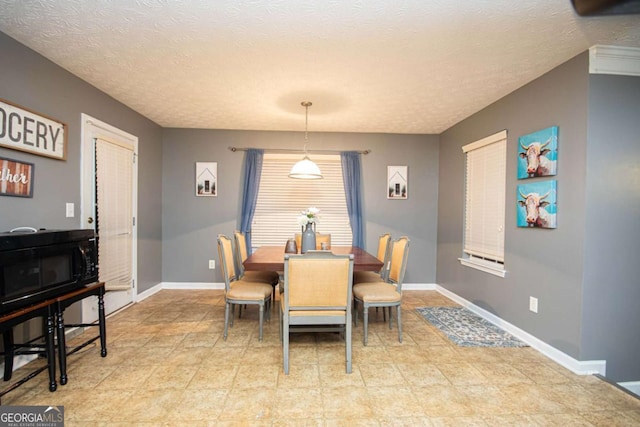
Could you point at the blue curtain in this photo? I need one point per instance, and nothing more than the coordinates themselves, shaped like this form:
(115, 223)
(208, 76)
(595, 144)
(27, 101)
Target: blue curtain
(252, 171)
(351, 175)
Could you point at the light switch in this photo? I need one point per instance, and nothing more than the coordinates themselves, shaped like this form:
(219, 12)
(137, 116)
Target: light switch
(70, 210)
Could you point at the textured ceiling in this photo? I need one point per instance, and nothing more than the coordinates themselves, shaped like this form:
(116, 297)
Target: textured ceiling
(392, 66)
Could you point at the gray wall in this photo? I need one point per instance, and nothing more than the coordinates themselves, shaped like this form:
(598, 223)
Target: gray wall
(612, 234)
(546, 264)
(585, 272)
(29, 80)
(191, 224)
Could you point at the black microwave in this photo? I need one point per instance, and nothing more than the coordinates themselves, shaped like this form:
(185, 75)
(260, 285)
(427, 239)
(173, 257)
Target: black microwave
(36, 265)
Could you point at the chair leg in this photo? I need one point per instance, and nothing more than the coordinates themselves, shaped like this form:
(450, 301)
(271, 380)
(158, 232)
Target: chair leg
(399, 323)
(285, 345)
(355, 312)
(390, 317)
(365, 315)
(226, 320)
(261, 320)
(348, 345)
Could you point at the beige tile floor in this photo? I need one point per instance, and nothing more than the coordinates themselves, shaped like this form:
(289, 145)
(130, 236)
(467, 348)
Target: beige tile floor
(169, 366)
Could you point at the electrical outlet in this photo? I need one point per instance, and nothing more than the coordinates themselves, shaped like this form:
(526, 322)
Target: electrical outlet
(533, 304)
(70, 210)
(212, 264)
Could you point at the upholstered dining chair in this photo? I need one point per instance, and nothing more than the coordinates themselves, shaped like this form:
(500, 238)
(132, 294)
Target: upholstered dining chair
(384, 293)
(384, 246)
(269, 277)
(323, 238)
(320, 237)
(317, 297)
(238, 291)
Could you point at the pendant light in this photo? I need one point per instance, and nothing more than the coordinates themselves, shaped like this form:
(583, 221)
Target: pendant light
(305, 168)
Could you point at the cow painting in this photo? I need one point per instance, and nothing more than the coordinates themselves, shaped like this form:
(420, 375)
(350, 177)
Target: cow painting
(537, 153)
(537, 208)
(537, 162)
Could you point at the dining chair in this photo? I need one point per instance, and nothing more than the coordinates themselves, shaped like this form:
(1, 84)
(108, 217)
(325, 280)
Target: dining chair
(384, 252)
(317, 298)
(269, 277)
(384, 293)
(323, 238)
(320, 237)
(238, 291)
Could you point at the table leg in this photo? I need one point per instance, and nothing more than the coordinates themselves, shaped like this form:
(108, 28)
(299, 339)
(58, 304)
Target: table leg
(7, 340)
(51, 351)
(102, 324)
(62, 346)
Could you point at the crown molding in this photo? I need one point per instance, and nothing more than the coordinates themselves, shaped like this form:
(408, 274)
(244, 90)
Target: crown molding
(618, 60)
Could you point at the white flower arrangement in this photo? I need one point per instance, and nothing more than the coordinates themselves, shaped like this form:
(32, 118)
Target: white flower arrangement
(309, 216)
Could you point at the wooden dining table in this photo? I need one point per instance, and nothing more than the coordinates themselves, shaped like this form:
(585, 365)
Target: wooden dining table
(271, 258)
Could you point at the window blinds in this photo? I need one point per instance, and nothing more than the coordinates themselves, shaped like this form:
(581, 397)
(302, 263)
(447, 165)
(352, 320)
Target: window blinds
(485, 197)
(281, 199)
(114, 218)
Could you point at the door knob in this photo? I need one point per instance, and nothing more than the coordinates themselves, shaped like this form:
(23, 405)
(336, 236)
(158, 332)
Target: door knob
(90, 220)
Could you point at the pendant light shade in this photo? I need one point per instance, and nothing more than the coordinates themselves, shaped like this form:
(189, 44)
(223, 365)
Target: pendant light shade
(305, 168)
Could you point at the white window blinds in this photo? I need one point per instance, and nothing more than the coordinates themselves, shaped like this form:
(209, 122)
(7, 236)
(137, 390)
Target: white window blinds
(281, 199)
(485, 197)
(114, 214)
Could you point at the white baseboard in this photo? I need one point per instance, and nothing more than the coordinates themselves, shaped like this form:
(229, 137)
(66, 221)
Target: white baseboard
(632, 386)
(579, 367)
(418, 286)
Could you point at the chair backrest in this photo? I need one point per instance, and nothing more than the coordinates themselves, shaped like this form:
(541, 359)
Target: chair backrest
(318, 280)
(241, 252)
(320, 237)
(323, 238)
(384, 253)
(298, 237)
(227, 263)
(399, 255)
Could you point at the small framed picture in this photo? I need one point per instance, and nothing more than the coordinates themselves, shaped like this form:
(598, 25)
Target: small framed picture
(206, 179)
(16, 178)
(397, 182)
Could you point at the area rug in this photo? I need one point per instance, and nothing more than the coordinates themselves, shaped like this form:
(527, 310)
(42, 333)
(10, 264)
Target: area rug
(467, 329)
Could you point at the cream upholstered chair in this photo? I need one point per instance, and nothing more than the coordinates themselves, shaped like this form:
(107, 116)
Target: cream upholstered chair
(387, 293)
(269, 277)
(320, 237)
(384, 252)
(317, 297)
(323, 238)
(237, 290)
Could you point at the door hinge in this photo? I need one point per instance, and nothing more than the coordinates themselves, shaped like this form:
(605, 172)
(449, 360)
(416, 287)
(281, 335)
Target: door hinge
(134, 221)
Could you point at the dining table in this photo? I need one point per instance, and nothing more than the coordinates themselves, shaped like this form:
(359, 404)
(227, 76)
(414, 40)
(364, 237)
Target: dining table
(271, 258)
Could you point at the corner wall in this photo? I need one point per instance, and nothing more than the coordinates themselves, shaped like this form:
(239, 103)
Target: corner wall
(32, 81)
(546, 264)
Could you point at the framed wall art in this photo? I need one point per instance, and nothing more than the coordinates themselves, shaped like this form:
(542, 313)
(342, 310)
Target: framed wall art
(537, 205)
(206, 179)
(25, 130)
(538, 153)
(397, 182)
(16, 178)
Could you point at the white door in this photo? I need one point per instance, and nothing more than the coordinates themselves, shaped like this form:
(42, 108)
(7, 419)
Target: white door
(109, 207)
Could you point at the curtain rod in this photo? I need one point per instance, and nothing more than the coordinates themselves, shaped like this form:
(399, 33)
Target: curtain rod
(284, 150)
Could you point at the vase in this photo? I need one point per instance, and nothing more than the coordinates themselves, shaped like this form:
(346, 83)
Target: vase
(308, 238)
(291, 247)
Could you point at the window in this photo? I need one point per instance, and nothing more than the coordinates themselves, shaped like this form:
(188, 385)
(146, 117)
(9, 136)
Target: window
(281, 199)
(485, 204)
